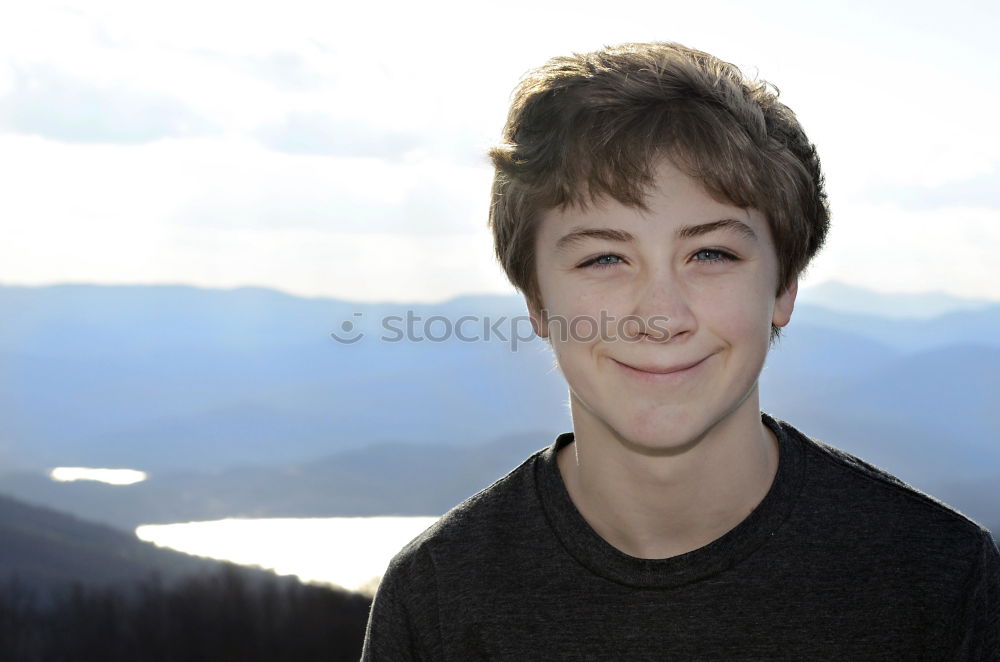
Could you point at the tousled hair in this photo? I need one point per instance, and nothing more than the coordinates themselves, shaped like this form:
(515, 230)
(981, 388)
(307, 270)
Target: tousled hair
(597, 124)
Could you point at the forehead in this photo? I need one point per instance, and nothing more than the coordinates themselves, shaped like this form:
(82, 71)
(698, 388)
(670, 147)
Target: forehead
(676, 204)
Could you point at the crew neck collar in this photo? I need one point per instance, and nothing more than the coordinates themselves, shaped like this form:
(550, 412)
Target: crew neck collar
(603, 559)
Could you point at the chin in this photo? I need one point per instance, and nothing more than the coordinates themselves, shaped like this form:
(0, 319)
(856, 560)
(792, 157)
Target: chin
(658, 437)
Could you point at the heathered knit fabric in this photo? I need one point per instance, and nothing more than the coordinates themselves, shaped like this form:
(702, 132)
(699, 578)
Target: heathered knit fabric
(840, 561)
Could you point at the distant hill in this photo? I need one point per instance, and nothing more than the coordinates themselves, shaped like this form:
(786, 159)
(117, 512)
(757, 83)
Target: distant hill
(978, 326)
(928, 416)
(164, 378)
(841, 297)
(228, 397)
(383, 479)
(43, 547)
(407, 479)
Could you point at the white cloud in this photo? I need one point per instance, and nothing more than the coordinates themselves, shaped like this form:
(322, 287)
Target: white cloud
(285, 69)
(224, 213)
(979, 191)
(47, 102)
(321, 133)
(357, 266)
(886, 248)
(380, 114)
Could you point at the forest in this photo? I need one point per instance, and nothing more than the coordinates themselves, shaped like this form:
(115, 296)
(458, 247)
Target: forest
(227, 614)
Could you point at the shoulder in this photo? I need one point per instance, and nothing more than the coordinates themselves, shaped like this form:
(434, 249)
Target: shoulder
(873, 505)
(441, 563)
(476, 524)
(856, 524)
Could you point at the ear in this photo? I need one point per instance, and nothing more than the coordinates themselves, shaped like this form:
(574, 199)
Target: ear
(785, 303)
(536, 312)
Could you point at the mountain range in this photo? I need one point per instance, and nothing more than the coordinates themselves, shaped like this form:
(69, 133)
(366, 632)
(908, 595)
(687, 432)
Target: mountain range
(239, 402)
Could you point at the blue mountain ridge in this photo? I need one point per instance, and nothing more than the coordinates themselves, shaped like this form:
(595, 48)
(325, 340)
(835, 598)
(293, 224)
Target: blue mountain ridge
(181, 380)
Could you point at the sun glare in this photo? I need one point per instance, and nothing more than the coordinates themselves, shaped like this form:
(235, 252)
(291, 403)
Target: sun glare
(351, 552)
(109, 476)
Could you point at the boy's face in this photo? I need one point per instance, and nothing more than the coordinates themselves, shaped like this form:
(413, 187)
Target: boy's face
(690, 304)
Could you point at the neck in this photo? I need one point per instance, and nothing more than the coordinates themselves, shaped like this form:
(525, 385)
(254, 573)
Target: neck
(661, 505)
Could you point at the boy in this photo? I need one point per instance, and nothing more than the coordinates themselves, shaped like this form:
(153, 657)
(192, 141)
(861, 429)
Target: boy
(656, 209)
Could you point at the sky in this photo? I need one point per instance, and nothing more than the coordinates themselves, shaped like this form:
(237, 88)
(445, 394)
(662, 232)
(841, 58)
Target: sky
(338, 149)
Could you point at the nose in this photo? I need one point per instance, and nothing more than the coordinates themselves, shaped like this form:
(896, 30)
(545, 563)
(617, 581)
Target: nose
(661, 308)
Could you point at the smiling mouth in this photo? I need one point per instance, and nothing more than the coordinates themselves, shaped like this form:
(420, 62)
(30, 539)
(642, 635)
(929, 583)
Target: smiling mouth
(670, 376)
(661, 370)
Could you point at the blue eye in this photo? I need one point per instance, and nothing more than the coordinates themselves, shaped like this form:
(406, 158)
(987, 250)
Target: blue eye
(600, 261)
(608, 260)
(723, 256)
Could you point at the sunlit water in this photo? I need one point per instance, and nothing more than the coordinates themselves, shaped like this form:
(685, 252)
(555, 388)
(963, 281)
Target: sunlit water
(110, 476)
(352, 552)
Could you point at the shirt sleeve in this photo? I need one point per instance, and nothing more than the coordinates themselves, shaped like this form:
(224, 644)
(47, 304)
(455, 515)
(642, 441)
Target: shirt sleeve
(399, 622)
(980, 641)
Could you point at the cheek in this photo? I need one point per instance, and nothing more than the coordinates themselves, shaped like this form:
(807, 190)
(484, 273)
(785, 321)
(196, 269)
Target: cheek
(739, 316)
(573, 306)
(574, 328)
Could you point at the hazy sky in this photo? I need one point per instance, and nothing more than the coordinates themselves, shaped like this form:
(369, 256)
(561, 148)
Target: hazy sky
(337, 148)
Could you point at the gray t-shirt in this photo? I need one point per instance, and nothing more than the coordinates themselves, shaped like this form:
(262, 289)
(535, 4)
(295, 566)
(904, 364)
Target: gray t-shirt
(840, 561)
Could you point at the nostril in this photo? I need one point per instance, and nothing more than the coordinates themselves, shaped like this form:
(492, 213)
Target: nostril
(635, 327)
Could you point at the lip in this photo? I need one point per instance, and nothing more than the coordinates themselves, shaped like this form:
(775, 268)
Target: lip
(662, 373)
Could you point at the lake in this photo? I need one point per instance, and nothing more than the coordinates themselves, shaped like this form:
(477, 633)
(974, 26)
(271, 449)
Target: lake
(352, 552)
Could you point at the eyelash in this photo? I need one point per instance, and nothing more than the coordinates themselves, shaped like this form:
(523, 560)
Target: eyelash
(724, 256)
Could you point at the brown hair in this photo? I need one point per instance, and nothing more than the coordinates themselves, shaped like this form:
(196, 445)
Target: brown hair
(595, 124)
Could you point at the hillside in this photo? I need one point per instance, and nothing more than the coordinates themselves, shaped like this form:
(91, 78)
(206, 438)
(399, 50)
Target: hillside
(43, 547)
(72, 590)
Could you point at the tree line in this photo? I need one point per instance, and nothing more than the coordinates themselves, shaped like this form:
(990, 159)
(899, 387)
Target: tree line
(220, 616)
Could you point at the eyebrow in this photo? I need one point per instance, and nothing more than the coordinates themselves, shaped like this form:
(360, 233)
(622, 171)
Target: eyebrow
(578, 235)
